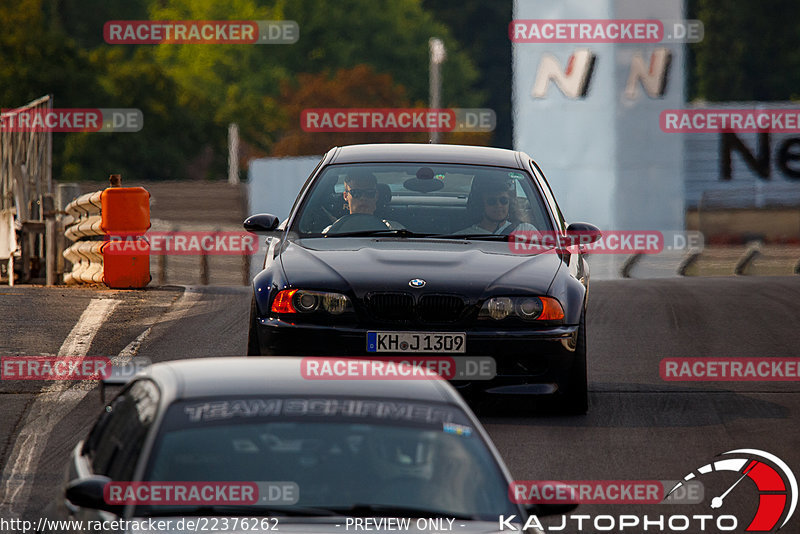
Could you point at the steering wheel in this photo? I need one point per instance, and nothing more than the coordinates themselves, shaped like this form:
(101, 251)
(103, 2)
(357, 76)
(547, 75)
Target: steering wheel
(357, 222)
(518, 227)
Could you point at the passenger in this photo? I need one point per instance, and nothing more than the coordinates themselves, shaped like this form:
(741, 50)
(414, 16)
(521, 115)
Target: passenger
(494, 204)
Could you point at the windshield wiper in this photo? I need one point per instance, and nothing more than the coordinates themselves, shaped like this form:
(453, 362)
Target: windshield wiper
(484, 237)
(387, 510)
(255, 510)
(400, 232)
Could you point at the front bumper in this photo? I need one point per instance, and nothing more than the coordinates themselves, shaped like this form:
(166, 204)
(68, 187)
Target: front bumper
(527, 361)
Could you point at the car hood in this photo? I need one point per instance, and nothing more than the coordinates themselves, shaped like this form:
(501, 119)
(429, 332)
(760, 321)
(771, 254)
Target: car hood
(362, 265)
(322, 525)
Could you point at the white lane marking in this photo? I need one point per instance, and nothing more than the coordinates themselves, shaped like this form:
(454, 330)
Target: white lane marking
(54, 405)
(48, 409)
(80, 338)
(133, 347)
(178, 309)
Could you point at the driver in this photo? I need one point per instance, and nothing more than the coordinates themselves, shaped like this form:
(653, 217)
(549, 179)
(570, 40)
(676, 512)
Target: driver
(361, 195)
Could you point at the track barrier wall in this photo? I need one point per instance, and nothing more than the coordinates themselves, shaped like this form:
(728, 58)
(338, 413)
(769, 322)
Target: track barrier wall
(96, 215)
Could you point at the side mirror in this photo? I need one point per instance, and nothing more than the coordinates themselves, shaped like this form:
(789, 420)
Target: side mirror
(88, 493)
(581, 233)
(261, 223)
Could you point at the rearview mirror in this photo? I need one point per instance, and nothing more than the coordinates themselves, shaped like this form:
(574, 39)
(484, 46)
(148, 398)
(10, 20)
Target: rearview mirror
(261, 223)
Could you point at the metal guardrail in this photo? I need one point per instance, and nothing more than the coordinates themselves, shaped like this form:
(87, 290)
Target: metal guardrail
(26, 194)
(185, 269)
(755, 259)
(86, 256)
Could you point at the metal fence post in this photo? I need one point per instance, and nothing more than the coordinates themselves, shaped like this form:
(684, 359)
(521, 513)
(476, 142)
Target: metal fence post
(162, 269)
(50, 251)
(245, 269)
(204, 269)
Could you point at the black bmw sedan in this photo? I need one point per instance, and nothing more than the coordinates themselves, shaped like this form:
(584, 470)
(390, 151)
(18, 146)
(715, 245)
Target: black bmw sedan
(414, 249)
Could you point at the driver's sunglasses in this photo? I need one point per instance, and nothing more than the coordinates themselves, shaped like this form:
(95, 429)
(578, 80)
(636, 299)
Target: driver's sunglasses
(491, 201)
(362, 193)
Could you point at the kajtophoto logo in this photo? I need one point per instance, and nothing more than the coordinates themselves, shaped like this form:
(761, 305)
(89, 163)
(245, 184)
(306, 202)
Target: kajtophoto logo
(765, 502)
(775, 484)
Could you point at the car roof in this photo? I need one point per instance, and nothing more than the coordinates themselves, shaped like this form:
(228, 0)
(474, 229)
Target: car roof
(239, 376)
(427, 153)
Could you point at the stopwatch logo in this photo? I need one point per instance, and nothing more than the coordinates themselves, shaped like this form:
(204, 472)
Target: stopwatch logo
(777, 488)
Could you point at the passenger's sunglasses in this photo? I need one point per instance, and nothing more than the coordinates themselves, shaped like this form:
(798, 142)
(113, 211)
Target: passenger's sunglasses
(492, 201)
(362, 193)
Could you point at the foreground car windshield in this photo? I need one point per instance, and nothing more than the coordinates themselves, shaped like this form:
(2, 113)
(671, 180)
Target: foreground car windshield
(340, 453)
(423, 199)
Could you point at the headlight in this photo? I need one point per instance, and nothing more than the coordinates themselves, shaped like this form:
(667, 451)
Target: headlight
(528, 308)
(525, 308)
(303, 301)
(499, 308)
(335, 303)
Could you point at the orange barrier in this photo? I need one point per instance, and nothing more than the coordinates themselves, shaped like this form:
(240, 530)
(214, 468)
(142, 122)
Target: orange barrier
(125, 210)
(121, 210)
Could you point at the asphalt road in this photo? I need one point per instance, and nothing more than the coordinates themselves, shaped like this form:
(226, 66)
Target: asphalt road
(639, 426)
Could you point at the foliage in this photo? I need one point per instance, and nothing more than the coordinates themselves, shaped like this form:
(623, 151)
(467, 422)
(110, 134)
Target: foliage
(359, 52)
(751, 50)
(351, 53)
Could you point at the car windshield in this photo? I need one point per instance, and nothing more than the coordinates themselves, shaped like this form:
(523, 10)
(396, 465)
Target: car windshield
(343, 455)
(430, 200)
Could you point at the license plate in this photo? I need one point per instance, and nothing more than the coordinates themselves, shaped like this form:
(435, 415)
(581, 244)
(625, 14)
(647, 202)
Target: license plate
(435, 342)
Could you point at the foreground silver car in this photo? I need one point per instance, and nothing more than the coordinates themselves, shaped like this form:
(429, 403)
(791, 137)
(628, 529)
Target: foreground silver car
(248, 444)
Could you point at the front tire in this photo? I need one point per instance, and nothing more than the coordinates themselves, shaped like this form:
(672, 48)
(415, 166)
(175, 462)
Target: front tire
(575, 398)
(253, 346)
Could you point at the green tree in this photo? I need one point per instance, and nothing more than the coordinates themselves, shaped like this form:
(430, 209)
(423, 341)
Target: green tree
(482, 29)
(242, 83)
(751, 50)
(392, 37)
(172, 137)
(190, 93)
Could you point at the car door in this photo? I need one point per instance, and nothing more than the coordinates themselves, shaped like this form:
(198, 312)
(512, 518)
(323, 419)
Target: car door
(576, 263)
(114, 445)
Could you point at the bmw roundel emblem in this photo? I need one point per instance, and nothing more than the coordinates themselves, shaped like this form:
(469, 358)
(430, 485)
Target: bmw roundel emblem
(417, 282)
